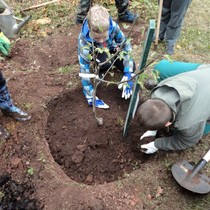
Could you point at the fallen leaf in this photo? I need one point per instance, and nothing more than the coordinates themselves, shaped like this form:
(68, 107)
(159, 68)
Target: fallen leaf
(149, 197)
(178, 47)
(43, 21)
(159, 191)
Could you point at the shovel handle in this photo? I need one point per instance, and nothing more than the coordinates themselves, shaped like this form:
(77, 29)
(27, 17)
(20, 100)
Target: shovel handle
(207, 156)
(201, 164)
(158, 22)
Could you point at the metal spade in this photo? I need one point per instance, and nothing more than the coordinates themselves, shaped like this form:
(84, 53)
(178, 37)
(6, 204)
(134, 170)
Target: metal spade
(189, 176)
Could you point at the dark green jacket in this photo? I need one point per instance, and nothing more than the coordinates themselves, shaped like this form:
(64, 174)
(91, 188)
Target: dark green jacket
(188, 95)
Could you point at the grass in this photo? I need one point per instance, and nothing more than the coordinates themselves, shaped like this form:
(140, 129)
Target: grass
(194, 42)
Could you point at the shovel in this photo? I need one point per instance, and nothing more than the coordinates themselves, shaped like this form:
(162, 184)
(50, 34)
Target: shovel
(189, 176)
(158, 24)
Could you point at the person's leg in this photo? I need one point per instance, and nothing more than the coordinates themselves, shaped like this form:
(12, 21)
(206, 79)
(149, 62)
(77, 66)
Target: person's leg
(6, 105)
(207, 129)
(83, 8)
(88, 89)
(167, 68)
(8, 108)
(102, 58)
(178, 11)
(123, 13)
(165, 17)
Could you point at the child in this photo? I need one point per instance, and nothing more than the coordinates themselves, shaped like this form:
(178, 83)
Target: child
(101, 31)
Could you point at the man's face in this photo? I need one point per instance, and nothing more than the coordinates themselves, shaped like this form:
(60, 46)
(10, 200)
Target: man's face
(100, 38)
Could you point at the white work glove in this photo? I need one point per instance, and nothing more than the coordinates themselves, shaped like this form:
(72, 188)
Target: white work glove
(127, 87)
(150, 148)
(148, 133)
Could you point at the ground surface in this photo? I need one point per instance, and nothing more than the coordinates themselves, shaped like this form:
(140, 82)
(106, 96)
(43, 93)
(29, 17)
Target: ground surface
(61, 159)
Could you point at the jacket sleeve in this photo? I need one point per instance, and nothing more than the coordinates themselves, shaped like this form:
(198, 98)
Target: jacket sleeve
(182, 139)
(119, 39)
(84, 53)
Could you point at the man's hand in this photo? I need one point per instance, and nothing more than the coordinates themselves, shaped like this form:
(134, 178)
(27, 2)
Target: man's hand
(4, 44)
(150, 148)
(127, 87)
(148, 133)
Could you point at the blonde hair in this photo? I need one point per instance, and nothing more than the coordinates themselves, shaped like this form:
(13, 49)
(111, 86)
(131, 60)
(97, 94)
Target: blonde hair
(98, 19)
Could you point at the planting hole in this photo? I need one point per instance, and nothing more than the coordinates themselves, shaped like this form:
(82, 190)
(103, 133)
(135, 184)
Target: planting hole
(89, 153)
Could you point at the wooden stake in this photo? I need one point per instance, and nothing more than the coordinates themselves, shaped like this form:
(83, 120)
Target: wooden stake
(40, 5)
(158, 23)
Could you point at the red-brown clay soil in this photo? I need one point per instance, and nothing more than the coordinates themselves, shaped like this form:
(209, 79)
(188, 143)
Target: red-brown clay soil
(62, 159)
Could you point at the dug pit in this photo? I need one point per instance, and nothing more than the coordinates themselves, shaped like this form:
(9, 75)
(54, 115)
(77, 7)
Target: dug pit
(89, 153)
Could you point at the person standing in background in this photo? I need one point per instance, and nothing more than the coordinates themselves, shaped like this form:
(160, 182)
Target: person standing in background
(122, 7)
(172, 18)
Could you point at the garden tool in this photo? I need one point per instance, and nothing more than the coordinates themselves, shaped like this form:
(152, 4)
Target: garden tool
(189, 176)
(158, 24)
(8, 24)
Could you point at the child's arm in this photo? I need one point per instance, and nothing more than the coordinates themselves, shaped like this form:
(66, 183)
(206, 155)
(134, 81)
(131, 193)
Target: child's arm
(84, 51)
(84, 54)
(119, 39)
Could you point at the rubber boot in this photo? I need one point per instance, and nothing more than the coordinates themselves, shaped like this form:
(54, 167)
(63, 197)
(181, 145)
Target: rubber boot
(8, 109)
(128, 16)
(170, 50)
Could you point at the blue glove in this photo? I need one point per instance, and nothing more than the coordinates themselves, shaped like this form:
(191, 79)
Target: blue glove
(127, 87)
(98, 103)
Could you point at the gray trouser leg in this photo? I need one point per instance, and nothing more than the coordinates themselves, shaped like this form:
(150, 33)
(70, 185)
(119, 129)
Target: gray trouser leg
(172, 19)
(83, 8)
(165, 17)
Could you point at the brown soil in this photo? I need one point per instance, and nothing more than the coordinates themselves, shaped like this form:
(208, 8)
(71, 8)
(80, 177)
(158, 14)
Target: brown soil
(62, 159)
(87, 152)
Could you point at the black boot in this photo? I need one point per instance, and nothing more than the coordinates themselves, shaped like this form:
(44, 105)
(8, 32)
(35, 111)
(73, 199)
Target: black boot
(8, 109)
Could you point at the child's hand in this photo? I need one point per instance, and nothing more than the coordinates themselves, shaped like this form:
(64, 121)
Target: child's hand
(127, 86)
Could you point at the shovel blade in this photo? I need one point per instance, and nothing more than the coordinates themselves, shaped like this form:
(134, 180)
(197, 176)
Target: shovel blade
(199, 183)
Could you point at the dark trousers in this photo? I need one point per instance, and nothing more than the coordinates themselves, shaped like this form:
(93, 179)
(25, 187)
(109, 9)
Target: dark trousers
(2, 81)
(172, 18)
(84, 6)
(102, 57)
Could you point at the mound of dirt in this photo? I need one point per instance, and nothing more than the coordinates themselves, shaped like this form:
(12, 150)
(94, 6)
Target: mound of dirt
(14, 195)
